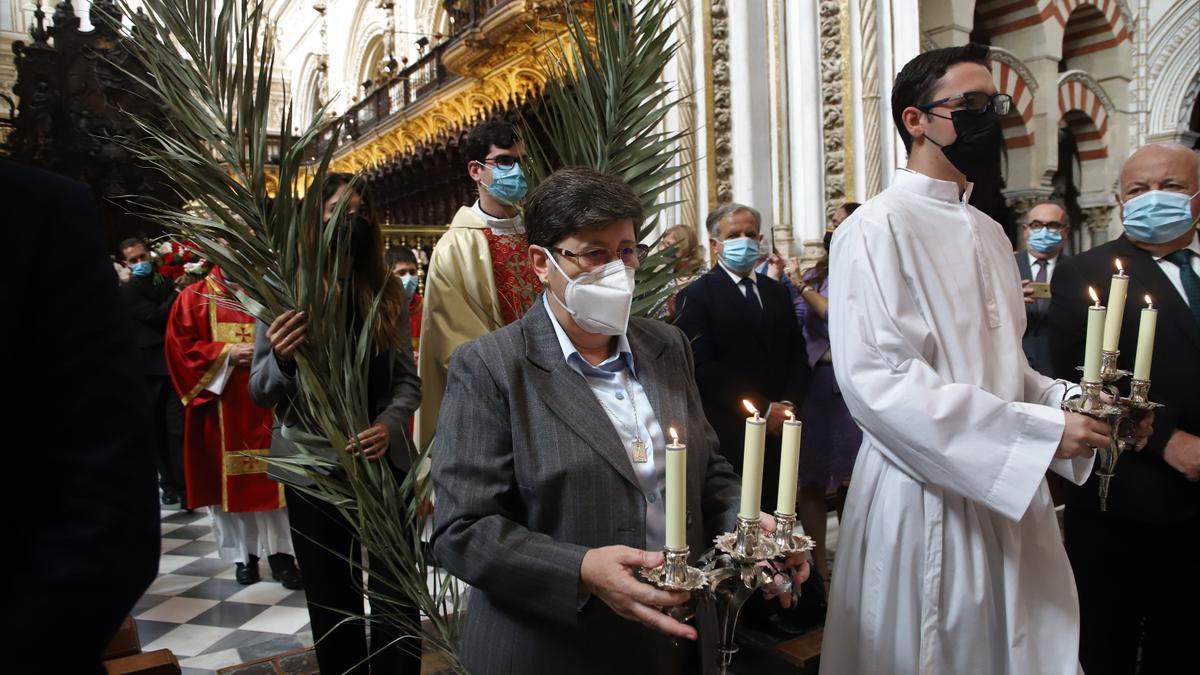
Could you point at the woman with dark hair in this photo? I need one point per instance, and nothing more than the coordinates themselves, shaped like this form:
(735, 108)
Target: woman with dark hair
(322, 537)
(831, 438)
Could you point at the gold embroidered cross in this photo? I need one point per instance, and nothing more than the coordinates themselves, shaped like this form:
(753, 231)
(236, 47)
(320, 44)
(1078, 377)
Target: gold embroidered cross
(244, 333)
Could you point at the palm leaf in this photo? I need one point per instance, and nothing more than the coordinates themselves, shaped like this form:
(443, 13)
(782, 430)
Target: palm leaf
(604, 108)
(211, 66)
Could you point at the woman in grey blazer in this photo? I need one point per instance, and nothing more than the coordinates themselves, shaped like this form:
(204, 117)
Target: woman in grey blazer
(319, 532)
(549, 462)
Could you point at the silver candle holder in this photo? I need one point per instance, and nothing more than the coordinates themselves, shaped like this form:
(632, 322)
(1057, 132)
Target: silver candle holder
(786, 539)
(746, 543)
(1109, 372)
(675, 574)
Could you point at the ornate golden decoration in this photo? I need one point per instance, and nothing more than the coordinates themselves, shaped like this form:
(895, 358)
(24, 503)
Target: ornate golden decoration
(502, 58)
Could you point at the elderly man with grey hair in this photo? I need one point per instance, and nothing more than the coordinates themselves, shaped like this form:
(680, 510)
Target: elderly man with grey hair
(1146, 621)
(745, 339)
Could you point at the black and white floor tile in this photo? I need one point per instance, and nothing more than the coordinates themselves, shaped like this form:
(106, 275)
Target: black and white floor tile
(198, 610)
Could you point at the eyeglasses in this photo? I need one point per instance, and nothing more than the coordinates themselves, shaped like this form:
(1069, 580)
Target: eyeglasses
(975, 101)
(502, 161)
(632, 256)
(1053, 226)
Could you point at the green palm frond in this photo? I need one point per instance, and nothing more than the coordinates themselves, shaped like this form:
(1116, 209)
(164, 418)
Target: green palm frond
(605, 107)
(210, 65)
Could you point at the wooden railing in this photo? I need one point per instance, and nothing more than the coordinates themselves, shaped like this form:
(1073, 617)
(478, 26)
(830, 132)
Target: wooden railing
(410, 85)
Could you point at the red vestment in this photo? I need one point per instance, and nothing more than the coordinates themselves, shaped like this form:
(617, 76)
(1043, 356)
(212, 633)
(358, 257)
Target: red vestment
(219, 429)
(516, 284)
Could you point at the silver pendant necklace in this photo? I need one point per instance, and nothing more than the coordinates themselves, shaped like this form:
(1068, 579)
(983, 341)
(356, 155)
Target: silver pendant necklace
(637, 447)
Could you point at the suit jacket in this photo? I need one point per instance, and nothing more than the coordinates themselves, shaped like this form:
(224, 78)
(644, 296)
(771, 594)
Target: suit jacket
(741, 356)
(82, 501)
(393, 393)
(1145, 487)
(150, 305)
(1037, 329)
(529, 474)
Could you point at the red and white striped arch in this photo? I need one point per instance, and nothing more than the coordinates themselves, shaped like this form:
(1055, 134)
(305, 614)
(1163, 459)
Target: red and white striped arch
(1016, 123)
(1006, 16)
(1090, 125)
(1091, 25)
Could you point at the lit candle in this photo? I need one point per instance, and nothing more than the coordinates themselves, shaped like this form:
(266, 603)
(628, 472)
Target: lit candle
(1095, 331)
(789, 465)
(676, 493)
(1116, 308)
(752, 463)
(1145, 343)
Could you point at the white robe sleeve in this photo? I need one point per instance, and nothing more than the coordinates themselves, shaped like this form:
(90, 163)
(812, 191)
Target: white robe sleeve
(952, 435)
(1044, 390)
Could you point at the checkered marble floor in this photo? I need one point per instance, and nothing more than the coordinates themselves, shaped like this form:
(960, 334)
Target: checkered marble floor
(198, 610)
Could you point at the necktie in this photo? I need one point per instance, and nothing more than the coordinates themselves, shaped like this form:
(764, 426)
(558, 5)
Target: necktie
(751, 298)
(1187, 275)
(1041, 304)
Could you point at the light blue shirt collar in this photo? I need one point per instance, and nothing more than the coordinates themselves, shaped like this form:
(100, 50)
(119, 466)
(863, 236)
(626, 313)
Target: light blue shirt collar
(613, 364)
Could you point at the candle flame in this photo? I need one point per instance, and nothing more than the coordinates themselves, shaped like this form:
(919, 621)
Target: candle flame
(1149, 302)
(674, 436)
(1095, 298)
(790, 415)
(1120, 269)
(750, 407)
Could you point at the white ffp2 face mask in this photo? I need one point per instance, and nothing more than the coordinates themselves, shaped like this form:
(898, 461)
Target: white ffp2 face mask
(600, 300)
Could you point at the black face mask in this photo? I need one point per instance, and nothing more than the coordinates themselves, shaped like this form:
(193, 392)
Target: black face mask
(828, 239)
(976, 150)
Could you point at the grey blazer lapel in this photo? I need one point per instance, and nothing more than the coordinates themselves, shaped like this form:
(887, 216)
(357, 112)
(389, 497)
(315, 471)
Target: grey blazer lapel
(567, 394)
(662, 382)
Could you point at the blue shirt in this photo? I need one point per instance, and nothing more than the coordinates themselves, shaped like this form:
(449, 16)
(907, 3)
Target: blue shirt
(615, 385)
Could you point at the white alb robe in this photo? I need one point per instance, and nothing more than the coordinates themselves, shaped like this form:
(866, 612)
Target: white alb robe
(949, 556)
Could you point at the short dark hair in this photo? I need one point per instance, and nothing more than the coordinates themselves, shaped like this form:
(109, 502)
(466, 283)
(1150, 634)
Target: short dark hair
(1053, 201)
(499, 133)
(850, 207)
(572, 199)
(400, 254)
(131, 242)
(919, 78)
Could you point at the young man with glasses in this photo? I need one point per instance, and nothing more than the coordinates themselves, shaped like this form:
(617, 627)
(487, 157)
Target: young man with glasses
(479, 277)
(949, 557)
(1044, 234)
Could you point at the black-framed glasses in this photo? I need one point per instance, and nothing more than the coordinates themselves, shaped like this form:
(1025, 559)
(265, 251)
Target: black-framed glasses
(975, 101)
(1052, 225)
(593, 258)
(502, 161)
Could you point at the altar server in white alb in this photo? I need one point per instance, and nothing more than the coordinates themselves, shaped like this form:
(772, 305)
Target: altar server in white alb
(949, 555)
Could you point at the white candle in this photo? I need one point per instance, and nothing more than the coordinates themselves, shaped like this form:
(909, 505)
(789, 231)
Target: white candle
(789, 465)
(1095, 333)
(676, 493)
(752, 464)
(1116, 309)
(1145, 343)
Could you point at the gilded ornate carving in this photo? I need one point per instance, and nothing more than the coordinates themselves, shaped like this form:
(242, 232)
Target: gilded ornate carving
(722, 116)
(831, 104)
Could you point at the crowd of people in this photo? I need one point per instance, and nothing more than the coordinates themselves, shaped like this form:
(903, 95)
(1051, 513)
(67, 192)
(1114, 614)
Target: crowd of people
(919, 352)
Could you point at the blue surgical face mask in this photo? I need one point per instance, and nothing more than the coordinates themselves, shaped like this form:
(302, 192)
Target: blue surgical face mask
(142, 269)
(1158, 217)
(1045, 240)
(410, 284)
(740, 255)
(508, 185)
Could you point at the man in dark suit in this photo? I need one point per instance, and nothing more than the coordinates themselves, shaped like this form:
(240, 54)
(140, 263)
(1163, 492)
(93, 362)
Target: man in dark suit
(149, 298)
(1148, 605)
(550, 467)
(1044, 234)
(82, 523)
(745, 339)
